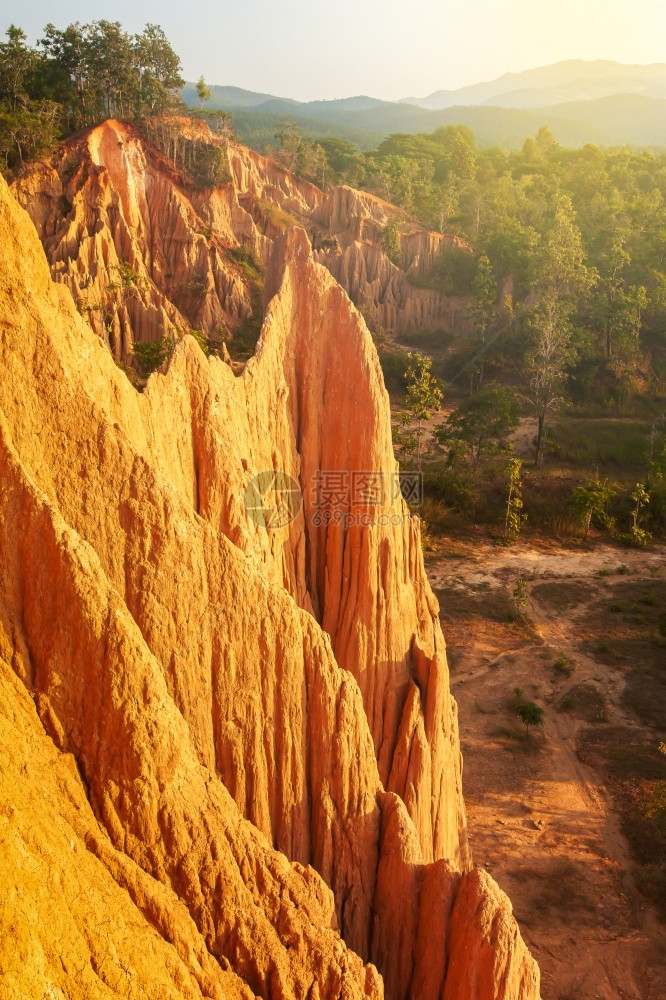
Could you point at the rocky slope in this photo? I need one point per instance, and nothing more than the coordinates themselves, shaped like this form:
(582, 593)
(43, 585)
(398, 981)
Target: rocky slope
(249, 731)
(353, 222)
(147, 254)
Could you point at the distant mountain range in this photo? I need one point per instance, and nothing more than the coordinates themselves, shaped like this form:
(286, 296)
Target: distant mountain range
(604, 102)
(574, 80)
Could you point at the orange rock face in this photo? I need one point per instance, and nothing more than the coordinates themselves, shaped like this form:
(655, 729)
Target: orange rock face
(395, 304)
(128, 242)
(146, 253)
(249, 731)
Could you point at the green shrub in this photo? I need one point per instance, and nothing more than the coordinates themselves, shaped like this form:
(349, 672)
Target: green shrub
(390, 242)
(564, 665)
(202, 340)
(208, 164)
(152, 354)
(244, 341)
(276, 216)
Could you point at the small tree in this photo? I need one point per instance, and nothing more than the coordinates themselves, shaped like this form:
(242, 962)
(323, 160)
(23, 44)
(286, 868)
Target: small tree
(151, 355)
(547, 363)
(641, 498)
(484, 312)
(203, 91)
(404, 436)
(514, 517)
(424, 394)
(520, 595)
(482, 422)
(16, 62)
(559, 277)
(291, 142)
(530, 714)
(591, 500)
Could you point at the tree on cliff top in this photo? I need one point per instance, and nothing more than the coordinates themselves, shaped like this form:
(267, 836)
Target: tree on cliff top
(203, 91)
(77, 77)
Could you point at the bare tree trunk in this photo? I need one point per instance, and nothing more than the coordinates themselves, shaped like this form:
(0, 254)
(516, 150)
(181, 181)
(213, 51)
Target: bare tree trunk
(539, 441)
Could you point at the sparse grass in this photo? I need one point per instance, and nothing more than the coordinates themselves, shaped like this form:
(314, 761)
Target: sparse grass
(554, 890)
(635, 771)
(545, 499)
(562, 595)
(426, 340)
(632, 639)
(275, 216)
(438, 517)
(587, 701)
(476, 613)
(508, 733)
(602, 443)
(571, 992)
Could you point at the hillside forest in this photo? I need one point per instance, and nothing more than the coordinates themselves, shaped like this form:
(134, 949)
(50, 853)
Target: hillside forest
(560, 261)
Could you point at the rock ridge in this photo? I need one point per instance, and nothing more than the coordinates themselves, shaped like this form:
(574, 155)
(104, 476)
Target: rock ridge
(235, 700)
(148, 254)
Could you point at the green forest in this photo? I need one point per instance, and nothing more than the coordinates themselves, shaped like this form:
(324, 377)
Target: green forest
(77, 77)
(561, 264)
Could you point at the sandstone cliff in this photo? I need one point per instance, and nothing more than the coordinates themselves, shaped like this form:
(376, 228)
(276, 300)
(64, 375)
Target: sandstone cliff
(121, 232)
(148, 254)
(353, 222)
(220, 707)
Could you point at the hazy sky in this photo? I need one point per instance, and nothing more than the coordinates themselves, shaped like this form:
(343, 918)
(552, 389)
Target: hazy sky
(386, 48)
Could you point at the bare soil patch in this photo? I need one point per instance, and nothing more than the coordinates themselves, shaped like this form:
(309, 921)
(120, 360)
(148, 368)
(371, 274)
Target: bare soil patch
(557, 815)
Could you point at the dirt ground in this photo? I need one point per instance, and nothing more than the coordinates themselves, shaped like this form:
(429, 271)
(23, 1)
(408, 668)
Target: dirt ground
(540, 819)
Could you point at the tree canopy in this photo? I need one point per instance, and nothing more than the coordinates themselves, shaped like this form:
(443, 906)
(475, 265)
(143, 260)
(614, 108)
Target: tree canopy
(78, 76)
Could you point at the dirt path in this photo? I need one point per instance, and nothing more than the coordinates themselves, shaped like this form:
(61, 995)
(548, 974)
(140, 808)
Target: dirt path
(539, 818)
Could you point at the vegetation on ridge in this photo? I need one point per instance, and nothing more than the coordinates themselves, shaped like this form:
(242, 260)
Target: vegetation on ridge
(79, 76)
